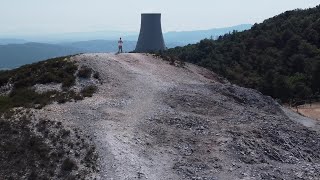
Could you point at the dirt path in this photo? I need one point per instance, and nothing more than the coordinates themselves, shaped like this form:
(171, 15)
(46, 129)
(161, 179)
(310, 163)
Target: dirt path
(311, 111)
(306, 121)
(125, 99)
(152, 120)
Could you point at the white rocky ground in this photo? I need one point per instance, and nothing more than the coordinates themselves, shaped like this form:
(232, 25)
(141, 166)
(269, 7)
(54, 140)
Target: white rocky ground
(152, 120)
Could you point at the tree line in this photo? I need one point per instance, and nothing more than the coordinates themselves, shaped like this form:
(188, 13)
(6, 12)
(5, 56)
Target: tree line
(279, 57)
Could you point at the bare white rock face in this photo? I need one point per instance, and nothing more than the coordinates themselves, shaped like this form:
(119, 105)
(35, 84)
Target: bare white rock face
(43, 88)
(6, 89)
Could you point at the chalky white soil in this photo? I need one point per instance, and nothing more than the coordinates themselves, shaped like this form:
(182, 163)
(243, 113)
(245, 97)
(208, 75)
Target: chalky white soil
(152, 120)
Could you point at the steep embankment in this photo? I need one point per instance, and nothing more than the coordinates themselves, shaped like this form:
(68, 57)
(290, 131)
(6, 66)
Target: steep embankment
(153, 120)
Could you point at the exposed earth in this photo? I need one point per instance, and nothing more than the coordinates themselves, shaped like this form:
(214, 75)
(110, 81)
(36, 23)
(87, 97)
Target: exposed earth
(153, 120)
(310, 110)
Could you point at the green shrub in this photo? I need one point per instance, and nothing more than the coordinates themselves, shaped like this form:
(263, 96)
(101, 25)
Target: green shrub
(22, 151)
(68, 82)
(4, 78)
(96, 75)
(4, 103)
(84, 72)
(88, 91)
(47, 78)
(68, 165)
(57, 70)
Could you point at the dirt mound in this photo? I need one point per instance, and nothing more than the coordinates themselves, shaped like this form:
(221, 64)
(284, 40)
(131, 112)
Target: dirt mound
(222, 131)
(153, 120)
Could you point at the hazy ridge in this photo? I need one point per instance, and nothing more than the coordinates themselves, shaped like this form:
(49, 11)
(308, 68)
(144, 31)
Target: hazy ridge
(16, 52)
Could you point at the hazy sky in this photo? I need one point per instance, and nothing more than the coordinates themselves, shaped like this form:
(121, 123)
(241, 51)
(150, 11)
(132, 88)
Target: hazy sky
(55, 16)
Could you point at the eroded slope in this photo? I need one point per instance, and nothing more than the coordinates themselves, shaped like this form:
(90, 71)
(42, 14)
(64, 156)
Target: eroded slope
(152, 120)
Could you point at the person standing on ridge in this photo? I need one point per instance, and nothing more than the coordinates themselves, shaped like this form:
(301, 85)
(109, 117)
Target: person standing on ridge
(120, 43)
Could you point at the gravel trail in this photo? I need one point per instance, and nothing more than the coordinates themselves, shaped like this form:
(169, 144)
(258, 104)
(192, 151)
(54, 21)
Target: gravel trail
(125, 98)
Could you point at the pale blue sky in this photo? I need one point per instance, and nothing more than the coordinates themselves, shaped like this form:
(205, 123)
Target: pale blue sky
(58, 16)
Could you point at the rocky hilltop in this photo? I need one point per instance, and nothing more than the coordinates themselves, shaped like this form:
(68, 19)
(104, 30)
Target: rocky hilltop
(154, 119)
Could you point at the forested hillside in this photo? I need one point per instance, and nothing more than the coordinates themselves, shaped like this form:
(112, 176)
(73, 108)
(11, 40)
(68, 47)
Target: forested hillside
(280, 57)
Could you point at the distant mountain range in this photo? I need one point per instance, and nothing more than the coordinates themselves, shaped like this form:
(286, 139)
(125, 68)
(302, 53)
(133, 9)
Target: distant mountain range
(187, 37)
(98, 46)
(4, 41)
(14, 55)
(15, 52)
(183, 36)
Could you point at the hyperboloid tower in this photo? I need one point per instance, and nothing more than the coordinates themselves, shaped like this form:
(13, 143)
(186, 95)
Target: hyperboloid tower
(150, 38)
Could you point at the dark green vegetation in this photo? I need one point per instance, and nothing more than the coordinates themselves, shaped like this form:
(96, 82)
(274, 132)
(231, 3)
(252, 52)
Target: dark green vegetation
(38, 148)
(84, 72)
(53, 152)
(57, 70)
(279, 57)
(88, 91)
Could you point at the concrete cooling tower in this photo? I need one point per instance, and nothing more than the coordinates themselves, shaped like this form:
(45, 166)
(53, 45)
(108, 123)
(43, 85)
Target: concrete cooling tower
(150, 38)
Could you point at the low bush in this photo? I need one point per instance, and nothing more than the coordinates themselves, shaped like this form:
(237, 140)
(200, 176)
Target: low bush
(96, 75)
(88, 91)
(42, 155)
(57, 70)
(68, 165)
(4, 78)
(20, 149)
(84, 72)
